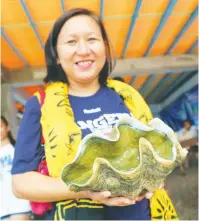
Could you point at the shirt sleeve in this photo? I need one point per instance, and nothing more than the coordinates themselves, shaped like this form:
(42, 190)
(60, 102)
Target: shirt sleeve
(194, 132)
(28, 150)
(180, 135)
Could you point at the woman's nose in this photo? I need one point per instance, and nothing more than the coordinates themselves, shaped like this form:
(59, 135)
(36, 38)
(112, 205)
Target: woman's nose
(83, 48)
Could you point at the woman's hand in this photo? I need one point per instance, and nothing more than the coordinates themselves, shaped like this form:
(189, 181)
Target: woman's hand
(148, 195)
(118, 201)
(105, 198)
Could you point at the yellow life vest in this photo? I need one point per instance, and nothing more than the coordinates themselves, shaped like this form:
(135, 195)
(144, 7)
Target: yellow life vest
(63, 136)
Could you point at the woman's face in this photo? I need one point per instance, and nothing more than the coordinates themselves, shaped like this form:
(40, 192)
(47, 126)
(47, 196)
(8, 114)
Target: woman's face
(81, 49)
(4, 130)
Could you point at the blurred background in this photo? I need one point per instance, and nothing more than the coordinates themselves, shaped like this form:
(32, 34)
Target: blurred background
(156, 47)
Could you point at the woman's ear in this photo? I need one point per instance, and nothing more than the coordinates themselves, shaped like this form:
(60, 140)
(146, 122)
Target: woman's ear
(8, 129)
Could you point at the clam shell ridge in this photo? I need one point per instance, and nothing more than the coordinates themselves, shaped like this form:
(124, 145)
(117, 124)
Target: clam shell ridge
(131, 158)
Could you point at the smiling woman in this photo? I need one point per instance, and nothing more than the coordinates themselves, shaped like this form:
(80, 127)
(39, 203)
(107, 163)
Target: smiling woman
(81, 52)
(83, 38)
(78, 100)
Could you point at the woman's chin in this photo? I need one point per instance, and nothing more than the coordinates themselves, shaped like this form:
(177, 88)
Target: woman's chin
(87, 78)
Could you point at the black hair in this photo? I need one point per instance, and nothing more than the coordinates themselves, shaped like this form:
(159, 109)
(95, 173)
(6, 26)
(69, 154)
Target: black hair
(54, 70)
(187, 121)
(10, 137)
(118, 79)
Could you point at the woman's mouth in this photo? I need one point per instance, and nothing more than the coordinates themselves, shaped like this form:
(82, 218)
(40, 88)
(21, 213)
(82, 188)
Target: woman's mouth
(84, 65)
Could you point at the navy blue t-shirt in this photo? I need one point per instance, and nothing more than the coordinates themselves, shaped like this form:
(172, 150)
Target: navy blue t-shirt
(97, 112)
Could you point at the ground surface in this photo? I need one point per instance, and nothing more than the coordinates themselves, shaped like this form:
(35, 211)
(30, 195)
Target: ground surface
(183, 191)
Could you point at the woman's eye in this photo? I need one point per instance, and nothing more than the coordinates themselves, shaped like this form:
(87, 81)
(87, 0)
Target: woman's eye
(71, 42)
(92, 39)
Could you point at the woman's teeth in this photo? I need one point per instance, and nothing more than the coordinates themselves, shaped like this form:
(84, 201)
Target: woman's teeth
(84, 64)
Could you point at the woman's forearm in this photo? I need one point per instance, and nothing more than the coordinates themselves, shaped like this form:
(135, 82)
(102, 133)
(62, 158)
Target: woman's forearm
(39, 188)
(36, 187)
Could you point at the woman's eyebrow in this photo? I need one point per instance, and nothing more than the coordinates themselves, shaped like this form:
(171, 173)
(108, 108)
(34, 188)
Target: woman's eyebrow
(76, 35)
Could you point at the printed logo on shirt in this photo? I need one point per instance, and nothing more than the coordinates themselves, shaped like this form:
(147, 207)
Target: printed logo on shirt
(6, 162)
(95, 110)
(103, 122)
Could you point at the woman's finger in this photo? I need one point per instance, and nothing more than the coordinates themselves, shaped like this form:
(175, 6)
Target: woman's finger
(98, 196)
(161, 186)
(139, 198)
(149, 195)
(118, 201)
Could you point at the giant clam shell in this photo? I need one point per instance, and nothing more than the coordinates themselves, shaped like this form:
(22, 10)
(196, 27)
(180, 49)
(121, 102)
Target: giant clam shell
(131, 158)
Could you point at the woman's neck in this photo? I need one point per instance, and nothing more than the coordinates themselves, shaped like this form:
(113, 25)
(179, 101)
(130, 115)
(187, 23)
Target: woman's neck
(83, 90)
(4, 142)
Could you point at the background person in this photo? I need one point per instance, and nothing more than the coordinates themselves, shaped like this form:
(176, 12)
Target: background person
(188, 132)
(12, 208)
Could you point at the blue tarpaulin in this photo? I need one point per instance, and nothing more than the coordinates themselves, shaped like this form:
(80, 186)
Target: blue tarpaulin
(185, 107)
